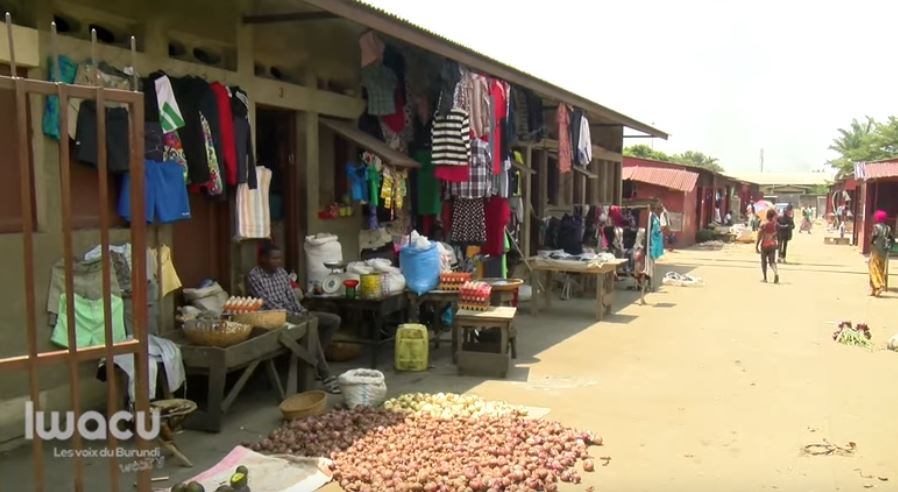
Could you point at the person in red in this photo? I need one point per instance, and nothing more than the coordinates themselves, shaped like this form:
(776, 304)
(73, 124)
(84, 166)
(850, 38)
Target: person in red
(767, 245)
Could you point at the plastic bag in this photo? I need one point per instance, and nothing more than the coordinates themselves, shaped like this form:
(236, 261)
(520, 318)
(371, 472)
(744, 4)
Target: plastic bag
(321, 249)
(421, 267)
(363, 387)
(211, 298)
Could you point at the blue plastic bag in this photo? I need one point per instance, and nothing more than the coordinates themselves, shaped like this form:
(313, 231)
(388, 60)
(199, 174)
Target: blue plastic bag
(421, 268)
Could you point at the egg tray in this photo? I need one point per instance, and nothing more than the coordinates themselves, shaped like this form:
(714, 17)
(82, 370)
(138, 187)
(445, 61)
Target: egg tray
(475, 306)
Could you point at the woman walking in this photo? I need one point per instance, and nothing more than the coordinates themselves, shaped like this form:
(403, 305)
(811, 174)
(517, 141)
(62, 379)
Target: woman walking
(766, 245)
(785, 224)
(881, 243)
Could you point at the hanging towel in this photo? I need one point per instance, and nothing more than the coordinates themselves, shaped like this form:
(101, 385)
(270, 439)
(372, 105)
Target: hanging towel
(169, 113)
(253, 213)
(67, 71)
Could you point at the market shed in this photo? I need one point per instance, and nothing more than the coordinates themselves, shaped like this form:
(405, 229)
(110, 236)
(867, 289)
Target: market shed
(877, 189)
(298, 65)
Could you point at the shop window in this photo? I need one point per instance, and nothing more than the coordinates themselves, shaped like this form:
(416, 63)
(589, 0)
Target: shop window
(10, 190)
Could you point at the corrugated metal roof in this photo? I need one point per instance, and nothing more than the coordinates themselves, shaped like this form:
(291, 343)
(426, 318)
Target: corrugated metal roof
(675, 179)
(881, 170)
(391, 24)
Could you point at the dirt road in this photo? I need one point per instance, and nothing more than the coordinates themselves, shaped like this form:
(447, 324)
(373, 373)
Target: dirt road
(719, 387)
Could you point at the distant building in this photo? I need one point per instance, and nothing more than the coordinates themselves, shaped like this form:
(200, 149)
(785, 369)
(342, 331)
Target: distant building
(690, 194)
(799, 189)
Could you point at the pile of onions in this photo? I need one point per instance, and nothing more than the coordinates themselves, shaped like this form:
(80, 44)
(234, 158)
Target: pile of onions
(451, 405)
(377, 449)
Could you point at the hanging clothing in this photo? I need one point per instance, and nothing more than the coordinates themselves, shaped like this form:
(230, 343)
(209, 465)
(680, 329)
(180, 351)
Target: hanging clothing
(380, 83)
(452, 174)
(165, 195)
(215, 185)
(479, 183)
(428, 188)
(468, 221)
(498, 215)
(479, 100)
(118, 148)
(656, 238)
(253, 211)
(170, 116)
(357, 175)
(228, 157)
(584, 143)
(521, 111)
(243, 138)
(451, 139)
(574, 130)
(197, 101)
(450, 74)
(500, 109)
(90, 322)
(562, 116)
(373, 186)
(67, 72)
(173, 151)
(371, 48)
(107, 76)
(170, 280)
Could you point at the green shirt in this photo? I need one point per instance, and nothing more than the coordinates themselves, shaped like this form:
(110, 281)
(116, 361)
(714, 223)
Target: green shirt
(428, 187)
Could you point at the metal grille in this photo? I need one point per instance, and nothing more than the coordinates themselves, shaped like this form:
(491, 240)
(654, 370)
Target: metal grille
(33, 360)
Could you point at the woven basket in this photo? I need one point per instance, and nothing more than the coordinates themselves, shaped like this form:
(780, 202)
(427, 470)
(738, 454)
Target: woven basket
(269, 320)
(304, 404)
(216, 333)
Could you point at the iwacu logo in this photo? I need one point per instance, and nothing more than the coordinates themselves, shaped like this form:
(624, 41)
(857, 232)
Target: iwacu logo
(36, 424)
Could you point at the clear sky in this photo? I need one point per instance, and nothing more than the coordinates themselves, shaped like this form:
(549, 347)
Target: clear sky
(723, 77)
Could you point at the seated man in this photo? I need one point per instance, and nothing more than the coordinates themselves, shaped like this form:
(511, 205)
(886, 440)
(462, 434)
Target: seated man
(271, 283)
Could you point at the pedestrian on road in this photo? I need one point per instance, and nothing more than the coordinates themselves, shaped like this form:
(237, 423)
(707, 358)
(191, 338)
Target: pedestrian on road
(805, 220)
(785, 225)
(766, 245)
(881, 243)
(656, 237)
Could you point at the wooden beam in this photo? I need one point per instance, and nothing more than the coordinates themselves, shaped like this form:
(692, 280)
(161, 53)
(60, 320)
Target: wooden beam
(528, 205)
(584, 172)
(288, 17)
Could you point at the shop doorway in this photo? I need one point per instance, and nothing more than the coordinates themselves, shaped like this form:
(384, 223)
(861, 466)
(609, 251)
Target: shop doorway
(276, 150)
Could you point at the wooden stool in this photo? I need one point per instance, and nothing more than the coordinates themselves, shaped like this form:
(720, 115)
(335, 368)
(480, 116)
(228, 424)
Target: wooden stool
(171, 413)
(483, 358)
(505, 293)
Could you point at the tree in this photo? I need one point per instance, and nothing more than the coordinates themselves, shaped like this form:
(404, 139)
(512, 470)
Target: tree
(855, 143)
(698, 159)
(644, 151)
(690, 157)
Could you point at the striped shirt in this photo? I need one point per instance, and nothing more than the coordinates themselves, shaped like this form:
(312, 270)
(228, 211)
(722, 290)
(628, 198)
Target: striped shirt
(451, 134)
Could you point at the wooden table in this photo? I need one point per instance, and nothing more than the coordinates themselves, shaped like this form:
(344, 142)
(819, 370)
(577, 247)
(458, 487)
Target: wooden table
(300, 341)
(477, 358)
(604, 281)
(440, 299)
(376, 312)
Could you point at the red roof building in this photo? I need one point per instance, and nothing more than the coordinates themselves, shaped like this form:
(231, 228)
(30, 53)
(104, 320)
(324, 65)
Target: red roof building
(692, 195)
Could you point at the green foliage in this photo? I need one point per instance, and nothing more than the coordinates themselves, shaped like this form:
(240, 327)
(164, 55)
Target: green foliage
(690, 157)
(865, 140)
(643, 151)
(698, 159)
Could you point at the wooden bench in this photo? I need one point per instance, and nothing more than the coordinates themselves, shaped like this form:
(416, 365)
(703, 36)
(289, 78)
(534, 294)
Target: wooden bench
(299, 341)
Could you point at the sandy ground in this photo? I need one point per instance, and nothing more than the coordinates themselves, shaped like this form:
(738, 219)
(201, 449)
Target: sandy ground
(715, 388)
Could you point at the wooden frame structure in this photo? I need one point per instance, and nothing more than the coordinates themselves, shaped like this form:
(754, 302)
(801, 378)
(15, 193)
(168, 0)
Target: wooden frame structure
(33, 360)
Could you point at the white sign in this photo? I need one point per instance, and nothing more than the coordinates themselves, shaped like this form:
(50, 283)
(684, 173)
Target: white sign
(36, 425)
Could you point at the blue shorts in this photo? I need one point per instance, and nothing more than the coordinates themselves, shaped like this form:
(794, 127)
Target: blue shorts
(164, 190)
